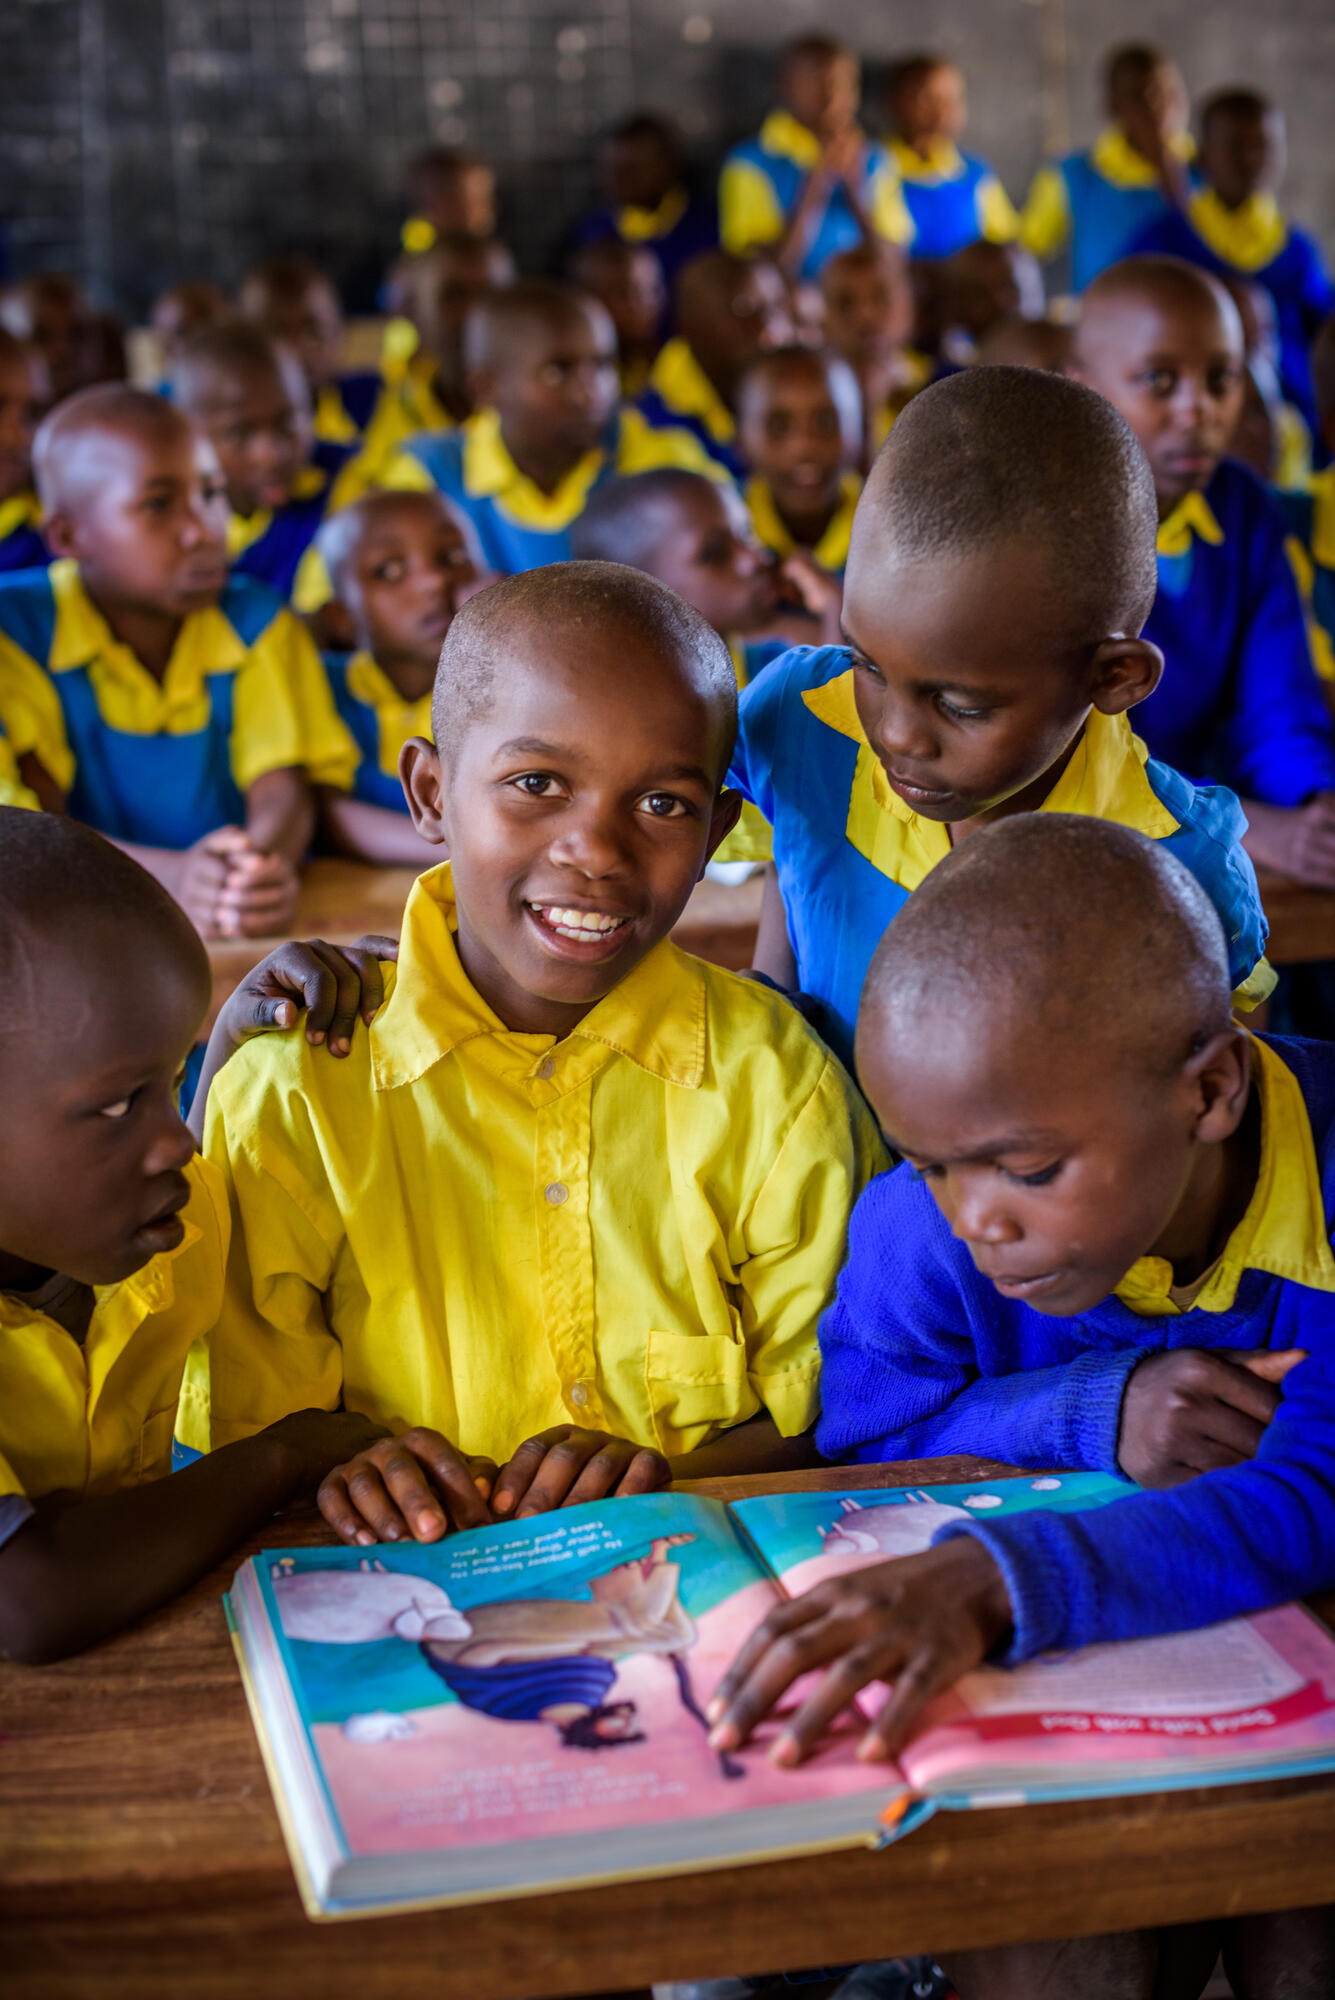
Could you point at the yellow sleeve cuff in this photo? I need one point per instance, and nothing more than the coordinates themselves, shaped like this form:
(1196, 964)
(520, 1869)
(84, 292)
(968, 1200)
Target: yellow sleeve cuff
(997, 220)
(749, 212)
(1046, 221)
(283, 712)
(890, 217)
(31, 714)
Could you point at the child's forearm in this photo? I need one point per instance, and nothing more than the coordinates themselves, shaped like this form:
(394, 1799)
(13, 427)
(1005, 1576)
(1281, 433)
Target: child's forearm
(755, 1446)
(280, 814)
(774, 954)
(371, 833)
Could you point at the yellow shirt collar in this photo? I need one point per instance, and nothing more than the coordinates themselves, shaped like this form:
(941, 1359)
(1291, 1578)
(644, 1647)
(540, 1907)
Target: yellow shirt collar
(331, 420)
(1192, 515)
(150, 1289)
(1284, 1228)
(245, 529)
(645, 225)
(785, 135)
(21, 510)
(656, 1015)
(1113, 156)
(831, 551)
(944, 161)
(1249, 237)
(688, 391)
(396, 719)
(129, 696)
(490, 472)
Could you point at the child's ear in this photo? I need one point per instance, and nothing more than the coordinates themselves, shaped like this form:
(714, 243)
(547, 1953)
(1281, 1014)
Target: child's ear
(1126, 671)
(58, 533)
(727, 812)
(1220, 1076)
(423, 783)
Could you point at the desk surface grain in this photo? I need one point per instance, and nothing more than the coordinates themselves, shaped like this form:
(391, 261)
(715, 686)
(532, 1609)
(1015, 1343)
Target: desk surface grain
(140, 1854)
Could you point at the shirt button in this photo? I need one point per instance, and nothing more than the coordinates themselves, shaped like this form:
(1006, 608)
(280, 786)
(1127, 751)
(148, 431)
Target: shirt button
(546, 1069)
(557, 1192)
(579, 1395)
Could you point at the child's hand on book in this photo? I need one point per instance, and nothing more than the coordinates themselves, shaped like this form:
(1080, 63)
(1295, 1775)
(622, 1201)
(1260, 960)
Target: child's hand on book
(1196, 1409)
(410, 1488)
(918, 1622)
(565, 1466)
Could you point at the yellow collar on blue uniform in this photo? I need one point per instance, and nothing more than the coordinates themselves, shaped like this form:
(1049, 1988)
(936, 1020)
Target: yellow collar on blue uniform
(944, 162)
(396, 718)
(831, 551)
(331, 422)
(1192, 515)
(490, 473)
(686, 389)
(1113, 156)
(1104, 779)
(1284, 1228)
(645, 225)
(21, 510)
(128, 696)
(656, 1015)
(787, 136)
(244, 529)
(1249, 237)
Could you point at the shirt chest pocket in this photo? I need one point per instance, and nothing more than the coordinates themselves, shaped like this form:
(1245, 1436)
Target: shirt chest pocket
(696, 1384)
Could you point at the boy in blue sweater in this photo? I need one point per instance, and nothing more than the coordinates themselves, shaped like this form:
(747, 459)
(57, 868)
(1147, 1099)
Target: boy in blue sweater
(1107, 1247)
(1001, 569)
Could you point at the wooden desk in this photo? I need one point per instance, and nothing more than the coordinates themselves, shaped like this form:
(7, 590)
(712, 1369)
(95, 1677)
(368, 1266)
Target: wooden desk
(140, 1854)
(341, 899)
(1302, 921)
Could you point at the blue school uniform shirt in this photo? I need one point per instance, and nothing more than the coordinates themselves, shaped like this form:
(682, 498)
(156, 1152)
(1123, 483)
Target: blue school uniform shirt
(271, 544)
(379, 721)
(1309, 517)
(21, 544)
(762, 179)
(164, 762)
(848, 852)
(1096, 202)
(1257, 242)
(952, 198)
(682, 226)
(680, 396)
(1239, 700)
(518, 526)
(921, 1356)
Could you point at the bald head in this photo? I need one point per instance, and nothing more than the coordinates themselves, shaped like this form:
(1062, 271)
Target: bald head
(217, 362)
(660, 634)
(1168, 286)
(504, 326)
(66, 461)
(344, 533)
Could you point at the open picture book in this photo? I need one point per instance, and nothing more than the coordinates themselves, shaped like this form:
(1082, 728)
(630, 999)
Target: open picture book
(522, 1708)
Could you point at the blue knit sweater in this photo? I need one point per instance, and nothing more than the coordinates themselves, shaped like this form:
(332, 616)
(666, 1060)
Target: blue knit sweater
(922, 1357)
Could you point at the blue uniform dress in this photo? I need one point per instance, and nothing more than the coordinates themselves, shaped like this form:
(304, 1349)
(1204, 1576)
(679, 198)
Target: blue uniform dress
(379, 721)
(762, 180)
(1257, 242)
(270, 545)
(518, 526)
(849, 852)
(922, 1356)
(164, 762)
(21, 544)
(679, 228)
(952, 198)
(1095, 203)
(1239, 700)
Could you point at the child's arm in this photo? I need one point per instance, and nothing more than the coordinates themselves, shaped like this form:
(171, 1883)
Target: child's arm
(758, 1445)
(280, 815)
(74, 1573)
(773, 954)
(371, 833)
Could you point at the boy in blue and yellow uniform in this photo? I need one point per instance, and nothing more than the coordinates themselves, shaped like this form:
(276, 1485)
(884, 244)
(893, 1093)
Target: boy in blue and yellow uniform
(21, 401)
(1240, 702)
(729, 311)
(399, 565)
(183, 713)
(1001, 569)
(1096, 204)
(548, 431)
(952, 198)
(1108, 1247)
(639, 1167)
(249, 396)
(811, 183)
(648, 200)
(1310, 518)
(295, 303)
(1233, 223)
(799, 426)
(869, 313)
(113, 1243)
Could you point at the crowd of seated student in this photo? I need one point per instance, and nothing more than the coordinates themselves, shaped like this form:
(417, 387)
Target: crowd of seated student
(791, 530)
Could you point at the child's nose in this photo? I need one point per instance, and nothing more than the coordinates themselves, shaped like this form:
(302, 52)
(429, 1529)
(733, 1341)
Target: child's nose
(590, 843)
(899, 731)
(980, 1217)
(172, 1147)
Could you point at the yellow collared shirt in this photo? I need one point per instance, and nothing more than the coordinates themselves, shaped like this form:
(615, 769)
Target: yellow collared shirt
(683, 385)
(1284, 1230)
(646, 225)
(93, 1417)
(831, 551)
(1192, 516)
(632, 1229)
(751, 216)
(396, 719)
(1249, 237)
(1045, 221)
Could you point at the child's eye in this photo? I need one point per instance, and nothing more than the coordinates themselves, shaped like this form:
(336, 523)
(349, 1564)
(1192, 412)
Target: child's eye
(120, 1109)
(534, 784)
(1039, 1179)
(158, 503)
(925, 1173)
(389, 572)
(958, 714)
(664, 805)
(859, 662)
(1159, 381)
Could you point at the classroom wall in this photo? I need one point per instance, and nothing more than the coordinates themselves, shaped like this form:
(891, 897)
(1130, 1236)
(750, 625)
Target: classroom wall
(146, 139)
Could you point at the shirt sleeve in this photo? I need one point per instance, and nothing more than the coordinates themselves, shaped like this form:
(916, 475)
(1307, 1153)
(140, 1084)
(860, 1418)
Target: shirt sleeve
(1223, 1545)
(31, 713)
(750, 215)
(283, 711)
(888, 211)
(900, 1351)
(761, 712)
(997, 220)
(1045, 222)
(795, 1234)
(643, 447)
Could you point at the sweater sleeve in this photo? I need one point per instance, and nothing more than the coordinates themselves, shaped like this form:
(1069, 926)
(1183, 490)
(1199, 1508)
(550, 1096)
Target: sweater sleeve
(921, 1358)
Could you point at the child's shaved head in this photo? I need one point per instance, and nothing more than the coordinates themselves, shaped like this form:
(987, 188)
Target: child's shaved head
(503, 325)
(215, 358)
(65, 474)
(1169, 281)
(1011, 454)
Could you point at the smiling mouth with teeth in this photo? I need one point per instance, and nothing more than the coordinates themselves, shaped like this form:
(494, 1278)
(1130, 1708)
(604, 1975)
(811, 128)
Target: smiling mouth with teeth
(581, 925)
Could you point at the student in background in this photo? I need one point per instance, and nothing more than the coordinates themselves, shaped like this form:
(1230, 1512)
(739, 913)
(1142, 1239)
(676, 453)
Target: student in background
(23, 397)
(1001, 570)
(181, 310)
(1240, 701)
(548, 429)
(49, 312)
(868, 322)
(1015, 342)
(1272, 436)
(1233, 224)
(980, 286)
(648, 199)
(399, 566)
(1096, 204)
(1310, 518)
(182, 712)
(448, 189)
(1107, 1247)
(799, 427)
(295, 303)
(810, 183)
(729, 310)
(952, 197)
(627, 281)
(250, 397)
